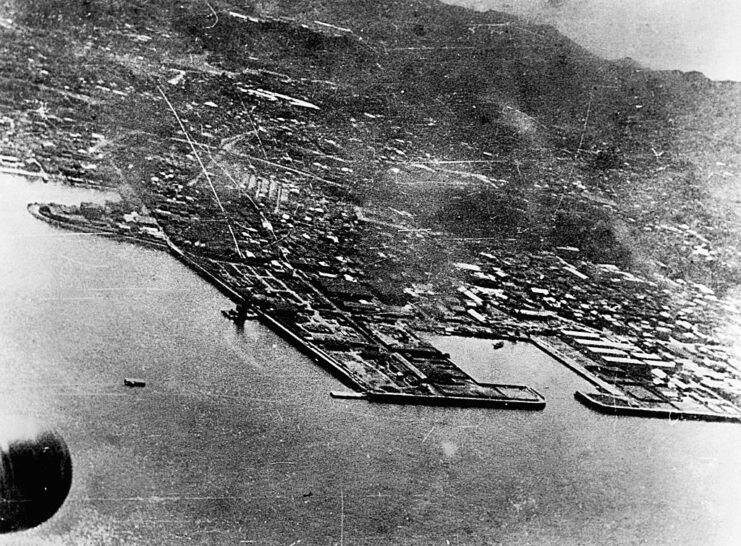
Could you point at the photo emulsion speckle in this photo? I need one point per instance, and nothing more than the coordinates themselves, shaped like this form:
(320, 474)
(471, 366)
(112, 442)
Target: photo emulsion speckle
(354, 273)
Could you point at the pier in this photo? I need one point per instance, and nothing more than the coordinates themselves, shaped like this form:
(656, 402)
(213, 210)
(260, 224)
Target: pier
(338, 324)
(366, 355)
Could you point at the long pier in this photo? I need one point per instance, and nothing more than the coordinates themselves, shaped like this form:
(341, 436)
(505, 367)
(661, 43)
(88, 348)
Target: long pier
(462, 401)
(601, 403)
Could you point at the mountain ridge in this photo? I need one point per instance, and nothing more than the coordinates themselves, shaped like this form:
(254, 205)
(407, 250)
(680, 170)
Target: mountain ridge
(510, 101)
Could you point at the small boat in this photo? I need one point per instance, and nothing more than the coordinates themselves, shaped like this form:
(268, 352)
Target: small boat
(498, 344)
(134, 382)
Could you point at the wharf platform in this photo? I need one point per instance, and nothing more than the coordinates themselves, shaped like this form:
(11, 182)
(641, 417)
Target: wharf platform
(527, 399)
(605, 403)
(535, 402)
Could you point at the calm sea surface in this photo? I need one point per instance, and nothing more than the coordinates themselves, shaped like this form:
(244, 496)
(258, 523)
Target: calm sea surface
(236, 440)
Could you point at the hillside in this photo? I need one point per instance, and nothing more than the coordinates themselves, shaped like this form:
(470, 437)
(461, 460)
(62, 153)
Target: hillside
(470, 134)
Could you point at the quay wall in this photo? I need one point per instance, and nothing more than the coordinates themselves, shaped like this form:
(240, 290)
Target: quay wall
(678, 415)
(577, 368)
(501, 403)
(206, 275)
(314, 352)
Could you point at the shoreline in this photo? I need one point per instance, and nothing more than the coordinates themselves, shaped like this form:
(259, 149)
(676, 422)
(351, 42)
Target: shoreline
(315, 353)
(34, 210)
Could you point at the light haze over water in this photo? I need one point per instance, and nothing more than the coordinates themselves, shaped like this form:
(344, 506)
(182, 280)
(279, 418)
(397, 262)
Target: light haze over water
(687, 35)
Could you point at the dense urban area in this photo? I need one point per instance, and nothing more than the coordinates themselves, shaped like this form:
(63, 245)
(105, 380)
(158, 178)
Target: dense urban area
(354, 216)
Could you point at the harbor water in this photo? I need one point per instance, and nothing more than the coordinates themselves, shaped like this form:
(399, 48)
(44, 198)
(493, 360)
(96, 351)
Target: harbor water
(235, 439)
